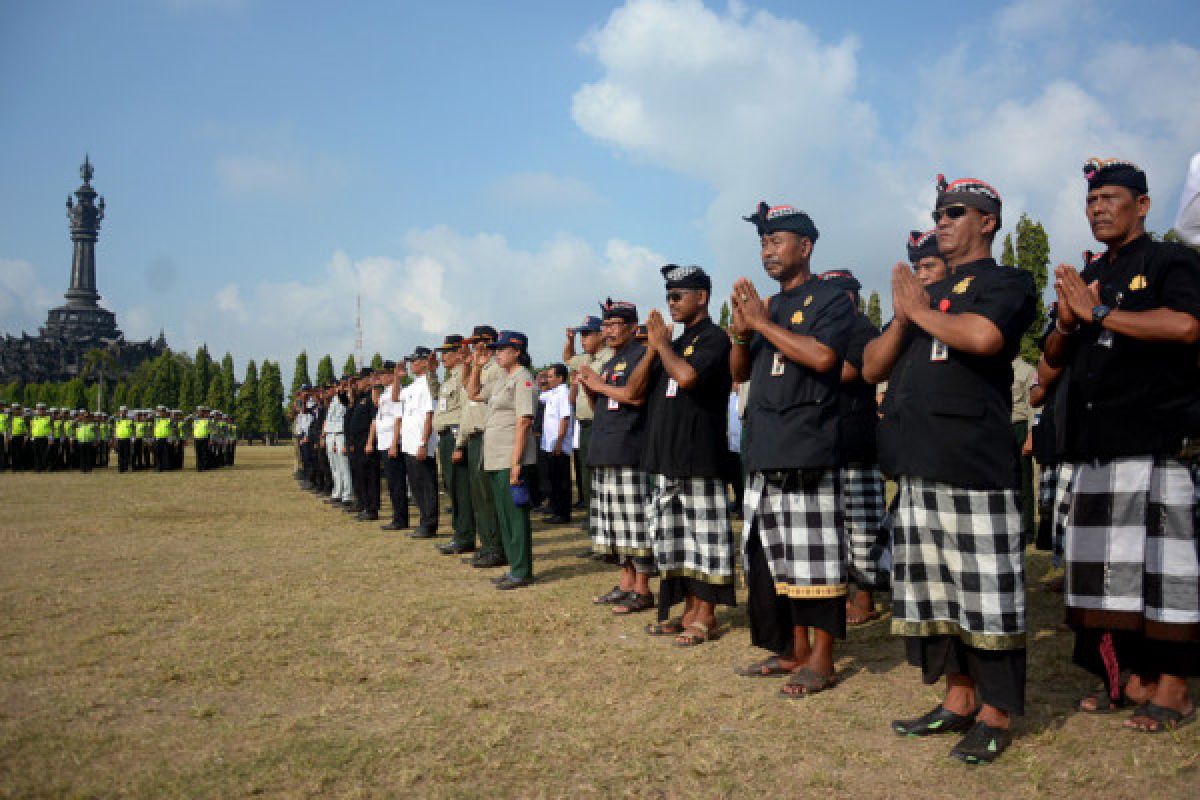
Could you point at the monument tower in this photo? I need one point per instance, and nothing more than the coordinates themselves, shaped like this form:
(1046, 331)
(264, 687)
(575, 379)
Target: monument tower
(82, 318)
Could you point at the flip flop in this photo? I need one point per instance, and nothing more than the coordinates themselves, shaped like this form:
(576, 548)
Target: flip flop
(766, 668)
(669, 628)
(1168, 719)
(633, 603)
(806, 681)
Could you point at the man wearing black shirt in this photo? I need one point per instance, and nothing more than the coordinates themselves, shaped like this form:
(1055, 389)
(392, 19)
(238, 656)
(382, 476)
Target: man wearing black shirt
(790, 348)
(958, 576)
(617, 395)
(364, 466)
(862, 482)
(688, 510)
(1127, 330)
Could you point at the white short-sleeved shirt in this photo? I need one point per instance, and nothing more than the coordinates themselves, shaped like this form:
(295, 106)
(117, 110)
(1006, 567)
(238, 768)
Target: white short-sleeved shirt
(387, 412)
(1187, 222)
(417, 402)
(558, 408)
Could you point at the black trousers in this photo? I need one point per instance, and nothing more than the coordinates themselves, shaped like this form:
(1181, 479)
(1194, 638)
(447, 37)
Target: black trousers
(324, 475)
(162, 454)
(774, 617)
(3, 454)
(396, 473)
(559, 472)
(1108, 654)
(41, 454)
(86, 453)
(422, 481)
(200, 446)
(364, 469)
(999, 675)
(123, 455)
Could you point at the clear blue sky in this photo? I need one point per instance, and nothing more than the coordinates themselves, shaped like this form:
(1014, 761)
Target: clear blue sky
(513, 163)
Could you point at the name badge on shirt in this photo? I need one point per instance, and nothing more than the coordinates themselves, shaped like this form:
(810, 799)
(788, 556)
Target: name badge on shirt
(441, 404)
(777, 364)
(938, 350)
(672, 387)
(613, 405)
(1105, 339)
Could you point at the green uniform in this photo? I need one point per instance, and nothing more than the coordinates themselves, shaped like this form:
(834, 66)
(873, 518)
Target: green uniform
(447, 418)
(470, 441)
(510, 398)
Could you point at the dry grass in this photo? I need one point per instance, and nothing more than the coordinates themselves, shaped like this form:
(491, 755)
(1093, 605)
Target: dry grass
(222, 635)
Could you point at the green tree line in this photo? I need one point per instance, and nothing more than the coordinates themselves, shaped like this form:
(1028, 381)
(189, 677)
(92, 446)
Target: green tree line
(174, 380)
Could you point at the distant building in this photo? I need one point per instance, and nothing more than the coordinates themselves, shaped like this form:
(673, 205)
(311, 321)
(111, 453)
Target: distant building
(71, 330)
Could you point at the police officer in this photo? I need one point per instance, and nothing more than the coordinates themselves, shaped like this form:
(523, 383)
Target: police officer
(447, 418)
(596, 353)
(41, 430)
(162, 439)
(201, 432)
(5, 435)
(419, 442)
(123, 431)
(85, 442)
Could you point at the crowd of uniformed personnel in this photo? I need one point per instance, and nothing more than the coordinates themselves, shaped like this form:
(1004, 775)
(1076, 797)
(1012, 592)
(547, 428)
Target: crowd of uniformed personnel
(48, 439)
(803, 407)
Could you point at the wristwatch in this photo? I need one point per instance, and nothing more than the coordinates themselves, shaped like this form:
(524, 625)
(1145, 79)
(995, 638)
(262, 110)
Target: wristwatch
(1099, 313)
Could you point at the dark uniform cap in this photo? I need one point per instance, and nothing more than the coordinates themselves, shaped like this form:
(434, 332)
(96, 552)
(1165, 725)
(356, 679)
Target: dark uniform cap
(389, 365)
(590, 325)
(510, 339)
(1114, 172)
(452, 342)
(618, 309)
(769, 219)
(970, 192)
(922, 245)
(419, 353)
(689, 277)
(365, 372)
(480, 332)
(842, 279)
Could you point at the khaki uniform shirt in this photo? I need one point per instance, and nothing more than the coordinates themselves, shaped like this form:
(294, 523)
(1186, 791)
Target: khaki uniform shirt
(1024, 377)
(450, 400)
(583, 406)
(474, 414)
(514, 396)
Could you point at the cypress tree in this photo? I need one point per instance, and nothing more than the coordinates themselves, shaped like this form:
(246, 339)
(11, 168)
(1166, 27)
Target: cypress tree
(377, 362)
(349, 367)
(325, 370)
(875, 310)
(246, 414)
(300, 373)
(1033, 256)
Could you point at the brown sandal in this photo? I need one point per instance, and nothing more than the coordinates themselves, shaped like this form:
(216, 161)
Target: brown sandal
(768, 667)
(694, 634)
(807, 681)
(668, 628)
(633, 603)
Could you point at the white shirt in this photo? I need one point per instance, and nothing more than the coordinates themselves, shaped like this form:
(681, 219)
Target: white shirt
(1187, 224)
(335, 416)
(417, 402)
(300, 426)
(558, 408)
(387, 411)
(735, 424)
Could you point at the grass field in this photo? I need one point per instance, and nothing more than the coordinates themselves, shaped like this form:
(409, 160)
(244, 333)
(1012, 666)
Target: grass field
(225, 635)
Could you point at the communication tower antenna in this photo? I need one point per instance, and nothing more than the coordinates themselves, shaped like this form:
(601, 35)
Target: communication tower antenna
(358, 353)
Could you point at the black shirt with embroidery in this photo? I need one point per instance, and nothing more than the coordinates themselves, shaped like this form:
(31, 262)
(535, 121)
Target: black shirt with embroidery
(792, 416)
(857, 407)
(1128, 397)
(948, 414)
(618, 429)
(686, 428)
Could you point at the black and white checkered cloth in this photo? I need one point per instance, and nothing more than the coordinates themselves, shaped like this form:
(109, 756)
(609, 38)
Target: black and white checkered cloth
(1047, 485)
(1064, 479)
(688, 521)
(958, 565)
(593, 515)
(1131, 540)
(802, 532)
(863, 491)
(620, 500)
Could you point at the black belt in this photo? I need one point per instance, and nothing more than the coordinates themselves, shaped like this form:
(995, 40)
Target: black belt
(585, 423)
(787, 479)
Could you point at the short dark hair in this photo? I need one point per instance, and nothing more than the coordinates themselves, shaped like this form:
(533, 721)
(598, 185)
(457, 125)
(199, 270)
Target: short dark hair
(560, 370)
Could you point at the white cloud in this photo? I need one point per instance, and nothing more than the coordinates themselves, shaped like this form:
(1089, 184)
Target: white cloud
(23, 298)
(544, 191)
(442, 282)
(1043, 18)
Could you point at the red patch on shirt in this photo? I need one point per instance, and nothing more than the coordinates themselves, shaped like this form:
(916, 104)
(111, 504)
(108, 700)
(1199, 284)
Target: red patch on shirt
(944, 305)
(528, 384)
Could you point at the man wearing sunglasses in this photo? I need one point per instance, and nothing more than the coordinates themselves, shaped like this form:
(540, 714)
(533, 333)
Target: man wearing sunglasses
(688, 510)
(958, 578)
(790, 348)
(1127, 329)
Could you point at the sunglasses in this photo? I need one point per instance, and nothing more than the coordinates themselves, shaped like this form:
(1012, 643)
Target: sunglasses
(676, 297)
(956, 211)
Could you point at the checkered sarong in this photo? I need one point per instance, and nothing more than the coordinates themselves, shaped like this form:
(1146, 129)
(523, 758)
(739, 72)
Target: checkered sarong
(619, 494)
(1131, 541)
(802, 532)
(958, 564)
(688, 522)
(863, 492)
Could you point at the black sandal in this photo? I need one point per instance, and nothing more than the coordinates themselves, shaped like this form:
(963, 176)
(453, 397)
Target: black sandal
(939, 720)
(633, 603)
(614, 595)
(1104, 702)
(668, 628)
(1166, 719)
